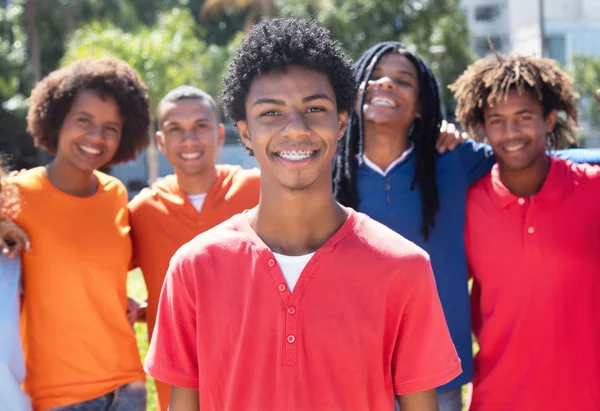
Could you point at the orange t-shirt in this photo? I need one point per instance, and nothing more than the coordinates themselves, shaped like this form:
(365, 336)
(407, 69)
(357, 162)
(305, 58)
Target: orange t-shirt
(163, 219)
(77, 342)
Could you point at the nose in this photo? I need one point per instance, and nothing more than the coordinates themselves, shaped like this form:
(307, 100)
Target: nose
(512, 129)
(296, 125)
(96, 132)
(384, 82)
(189, 136)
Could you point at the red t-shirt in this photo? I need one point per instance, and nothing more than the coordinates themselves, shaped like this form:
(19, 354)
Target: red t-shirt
(364, 322)
(536, 292)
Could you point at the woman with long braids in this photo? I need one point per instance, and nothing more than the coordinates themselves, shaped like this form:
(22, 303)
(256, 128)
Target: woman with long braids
(389, 168)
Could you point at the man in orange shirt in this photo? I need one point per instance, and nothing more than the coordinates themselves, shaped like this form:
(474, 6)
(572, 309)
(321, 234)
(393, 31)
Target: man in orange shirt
(199, 196)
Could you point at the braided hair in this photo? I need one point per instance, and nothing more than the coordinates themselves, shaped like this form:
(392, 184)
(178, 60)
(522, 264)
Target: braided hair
(423, 134)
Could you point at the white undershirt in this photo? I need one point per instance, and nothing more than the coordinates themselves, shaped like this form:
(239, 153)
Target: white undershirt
(291, 266)
(394, 163)
(197, 200)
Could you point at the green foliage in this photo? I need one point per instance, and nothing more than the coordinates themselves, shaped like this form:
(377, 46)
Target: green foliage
(360, 24)
(166, 55)
(586, 73)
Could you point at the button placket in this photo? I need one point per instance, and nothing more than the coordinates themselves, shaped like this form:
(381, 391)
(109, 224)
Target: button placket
(291, 335)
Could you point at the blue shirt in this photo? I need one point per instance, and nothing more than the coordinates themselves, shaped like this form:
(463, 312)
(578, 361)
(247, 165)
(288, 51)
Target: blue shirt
(390, 201)
(12, 366)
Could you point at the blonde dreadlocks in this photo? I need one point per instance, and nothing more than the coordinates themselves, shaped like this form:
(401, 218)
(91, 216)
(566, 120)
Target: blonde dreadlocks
(490, 79)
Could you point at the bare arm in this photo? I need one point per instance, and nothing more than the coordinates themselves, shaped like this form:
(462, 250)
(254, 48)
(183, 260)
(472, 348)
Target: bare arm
(184, 399)
(419, 401)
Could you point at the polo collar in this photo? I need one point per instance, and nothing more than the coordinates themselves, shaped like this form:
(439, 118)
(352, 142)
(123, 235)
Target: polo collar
(556, 186)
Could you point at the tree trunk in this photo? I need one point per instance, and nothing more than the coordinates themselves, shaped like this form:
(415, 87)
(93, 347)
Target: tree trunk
(265, 9)
(33, 40)
(152, 155)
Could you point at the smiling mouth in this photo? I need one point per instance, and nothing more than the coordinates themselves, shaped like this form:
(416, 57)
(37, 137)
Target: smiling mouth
(190, 156)
(513, 147)
(382, 101)
(295, 155)
(90, 150)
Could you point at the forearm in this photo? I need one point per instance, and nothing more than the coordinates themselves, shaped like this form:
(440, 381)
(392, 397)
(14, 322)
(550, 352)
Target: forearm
(419, 401)
(184, 399)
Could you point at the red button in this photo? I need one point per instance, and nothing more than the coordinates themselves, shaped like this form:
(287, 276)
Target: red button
(291, 310)
(271, 263)
(291, 338)
(282, 287)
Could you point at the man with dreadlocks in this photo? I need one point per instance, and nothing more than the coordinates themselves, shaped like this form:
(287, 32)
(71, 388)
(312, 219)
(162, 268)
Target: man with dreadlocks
(389, 168)
(532, 235)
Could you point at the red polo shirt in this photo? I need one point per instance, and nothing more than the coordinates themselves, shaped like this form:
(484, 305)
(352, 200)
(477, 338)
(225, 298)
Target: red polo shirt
(536, 291)
(364, 322)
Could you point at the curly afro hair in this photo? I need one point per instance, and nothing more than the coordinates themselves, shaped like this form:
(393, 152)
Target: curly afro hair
(52, 98)
(9, 197)
(273, 45)
(490, 79)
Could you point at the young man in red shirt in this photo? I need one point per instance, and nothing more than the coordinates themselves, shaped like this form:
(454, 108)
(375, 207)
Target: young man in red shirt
(299, 304)
(532, 236)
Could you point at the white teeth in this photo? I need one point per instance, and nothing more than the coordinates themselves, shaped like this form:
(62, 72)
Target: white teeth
(190, 156)
(90, 150)
(514, 148)
(295, 155)
(382, 101)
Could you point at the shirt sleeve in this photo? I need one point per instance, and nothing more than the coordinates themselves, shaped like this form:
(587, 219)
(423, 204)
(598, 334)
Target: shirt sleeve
(424, 356)
(172, 356)
(477, 160)
(579, 155)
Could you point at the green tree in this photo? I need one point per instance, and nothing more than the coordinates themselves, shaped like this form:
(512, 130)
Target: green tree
(436, 29)
(586, 74)
(166, 55)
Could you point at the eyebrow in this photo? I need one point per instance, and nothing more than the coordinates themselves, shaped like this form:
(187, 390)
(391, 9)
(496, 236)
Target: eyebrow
(318, 96)
(398, 71)
(199, 120)
(268, 101)
(85, 113)
(523, 111)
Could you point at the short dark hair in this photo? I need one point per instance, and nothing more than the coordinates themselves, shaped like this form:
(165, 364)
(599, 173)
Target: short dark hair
(52, 98)
(423, 134)
(491, 78)
(273, 45)
(183, 93)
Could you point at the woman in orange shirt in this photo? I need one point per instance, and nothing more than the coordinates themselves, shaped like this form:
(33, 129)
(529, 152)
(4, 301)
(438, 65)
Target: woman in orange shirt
(80, 350)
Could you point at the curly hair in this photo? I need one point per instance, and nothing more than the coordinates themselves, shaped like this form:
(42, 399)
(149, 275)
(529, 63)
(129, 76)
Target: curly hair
(9, 197)
(273, 45)
(490, 79)
(423, 135)
(52, 97)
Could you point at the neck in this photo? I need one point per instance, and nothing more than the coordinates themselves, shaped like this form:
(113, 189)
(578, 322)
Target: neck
(384, 144)
(528, 181)
(196, 183)
(296, 222)
(71, 180)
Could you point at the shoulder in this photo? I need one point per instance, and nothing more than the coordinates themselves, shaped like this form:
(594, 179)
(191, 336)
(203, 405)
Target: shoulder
(32, 179)
(149, 196)
(584, 176)
(239, 175)
(384, 244)
(217, 244)
(479, 194)
(111, 185)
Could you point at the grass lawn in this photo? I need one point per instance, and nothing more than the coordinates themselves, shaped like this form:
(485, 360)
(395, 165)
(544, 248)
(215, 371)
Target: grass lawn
(137, 289)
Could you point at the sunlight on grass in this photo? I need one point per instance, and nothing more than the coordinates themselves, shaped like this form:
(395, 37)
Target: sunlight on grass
(136, 288)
